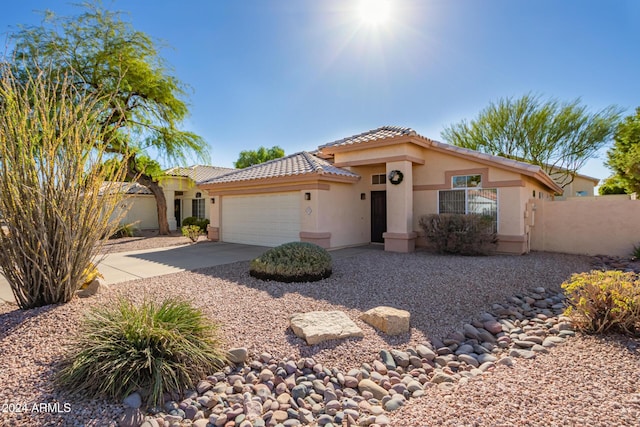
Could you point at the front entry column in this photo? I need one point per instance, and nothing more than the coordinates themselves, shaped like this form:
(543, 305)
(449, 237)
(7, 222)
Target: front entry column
(400, 236)
(169, 196)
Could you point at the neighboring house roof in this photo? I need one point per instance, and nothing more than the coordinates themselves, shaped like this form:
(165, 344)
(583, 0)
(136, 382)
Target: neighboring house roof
(199, 173)
(302, 163)
(371, 135)
(124, 187)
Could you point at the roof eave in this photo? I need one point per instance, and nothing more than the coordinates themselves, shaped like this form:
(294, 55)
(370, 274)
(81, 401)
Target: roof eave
(286, 179)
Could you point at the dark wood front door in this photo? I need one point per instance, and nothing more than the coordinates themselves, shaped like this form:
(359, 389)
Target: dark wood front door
(378, 215)
(177, 211)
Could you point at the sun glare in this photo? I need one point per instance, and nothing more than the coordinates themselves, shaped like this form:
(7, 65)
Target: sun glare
(374, 12)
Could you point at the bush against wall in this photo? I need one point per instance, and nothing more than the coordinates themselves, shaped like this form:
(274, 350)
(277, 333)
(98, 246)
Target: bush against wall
(604, 300)
(470, 234)
(57, 199)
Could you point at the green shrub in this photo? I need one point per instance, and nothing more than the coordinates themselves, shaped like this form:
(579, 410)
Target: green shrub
(636, 252)
(293, 262)
(604, 300)
(200, 222)
(193, 232)
(155, 348)
(124, 230)
(470, 234)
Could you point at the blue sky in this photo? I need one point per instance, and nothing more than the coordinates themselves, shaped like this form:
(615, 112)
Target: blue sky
(300, 73)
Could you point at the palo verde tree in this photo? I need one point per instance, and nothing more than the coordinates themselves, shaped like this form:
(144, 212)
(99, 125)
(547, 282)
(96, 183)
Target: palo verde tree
(557, 136)
(624, 156)
(57, 195)
(108, 55)
(254, 157)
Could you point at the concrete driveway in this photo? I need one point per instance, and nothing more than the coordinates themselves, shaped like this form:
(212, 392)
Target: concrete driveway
(125, 266)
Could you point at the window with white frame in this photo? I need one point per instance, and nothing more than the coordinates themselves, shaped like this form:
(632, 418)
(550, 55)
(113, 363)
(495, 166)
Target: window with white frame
(468, 197)
(379, 178)
(197, 208)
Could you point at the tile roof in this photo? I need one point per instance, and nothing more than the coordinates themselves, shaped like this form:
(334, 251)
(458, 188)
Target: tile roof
(124, 187)
(371, 135)
(199, 173)
(302, 163)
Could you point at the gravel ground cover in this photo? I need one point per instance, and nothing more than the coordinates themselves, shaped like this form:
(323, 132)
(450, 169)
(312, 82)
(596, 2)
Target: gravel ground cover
(441, 293)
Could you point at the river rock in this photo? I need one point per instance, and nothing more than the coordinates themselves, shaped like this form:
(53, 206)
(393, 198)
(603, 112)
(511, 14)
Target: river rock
(373, 388)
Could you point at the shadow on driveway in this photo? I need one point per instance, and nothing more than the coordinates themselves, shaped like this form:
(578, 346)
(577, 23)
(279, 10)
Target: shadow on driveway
(124, 266)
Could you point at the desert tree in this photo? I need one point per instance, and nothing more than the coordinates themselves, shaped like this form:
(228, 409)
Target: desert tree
(108, 55)
(253, 157)
(58, 199)
(560, 137)
(624, 156)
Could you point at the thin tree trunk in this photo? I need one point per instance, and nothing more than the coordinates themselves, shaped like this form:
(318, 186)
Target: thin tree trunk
(161, 205)
(161, 200)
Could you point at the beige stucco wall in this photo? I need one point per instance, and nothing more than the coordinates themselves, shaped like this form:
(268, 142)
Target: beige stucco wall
(437, 163)
(342, 213)
(591, 226)
(376, 153)
(579, 184)
(141, 211)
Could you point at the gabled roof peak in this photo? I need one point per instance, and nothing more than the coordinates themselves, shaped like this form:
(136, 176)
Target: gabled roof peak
(372, 135)
(302, 163)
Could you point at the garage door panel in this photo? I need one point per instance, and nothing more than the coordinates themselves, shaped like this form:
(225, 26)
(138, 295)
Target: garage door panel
(266, 219)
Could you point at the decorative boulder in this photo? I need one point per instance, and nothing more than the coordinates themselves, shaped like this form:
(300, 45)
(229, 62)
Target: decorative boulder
(319, 326)
(389, 320)
(96, 286)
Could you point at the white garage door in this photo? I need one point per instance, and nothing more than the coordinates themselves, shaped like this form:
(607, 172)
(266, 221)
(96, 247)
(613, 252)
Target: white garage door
(265, 220)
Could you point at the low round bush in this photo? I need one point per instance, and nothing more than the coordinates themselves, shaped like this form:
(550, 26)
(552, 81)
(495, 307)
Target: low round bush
(293, 262)
(200, 222)
(154, 348)
(604, 300)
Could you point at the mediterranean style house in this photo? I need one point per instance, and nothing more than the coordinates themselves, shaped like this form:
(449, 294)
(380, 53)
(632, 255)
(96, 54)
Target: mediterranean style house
(372, 187)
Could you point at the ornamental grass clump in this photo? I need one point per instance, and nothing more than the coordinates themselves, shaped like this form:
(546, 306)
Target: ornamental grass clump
(293, 262)
(600, 301)
(153, 347)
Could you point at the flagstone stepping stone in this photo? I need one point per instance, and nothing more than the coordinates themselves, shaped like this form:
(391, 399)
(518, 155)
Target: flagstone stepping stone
(389, 320)
(318, 326)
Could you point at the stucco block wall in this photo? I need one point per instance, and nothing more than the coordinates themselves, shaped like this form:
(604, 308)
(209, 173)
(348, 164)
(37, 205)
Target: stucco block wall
(590, 226)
